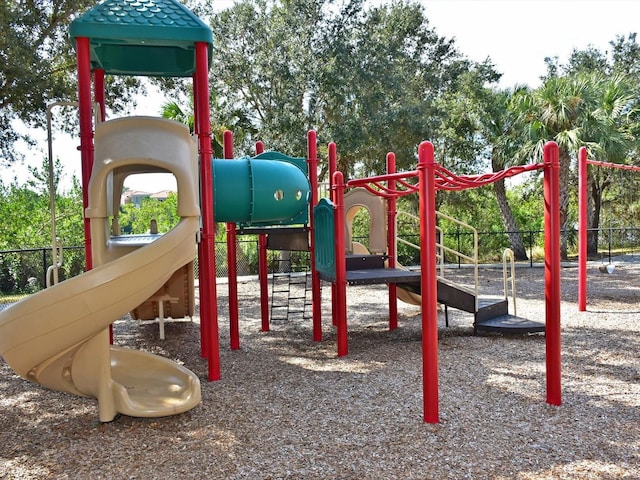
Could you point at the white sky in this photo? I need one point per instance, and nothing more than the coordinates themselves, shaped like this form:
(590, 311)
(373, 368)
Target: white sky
(519, 34)
(516, 34)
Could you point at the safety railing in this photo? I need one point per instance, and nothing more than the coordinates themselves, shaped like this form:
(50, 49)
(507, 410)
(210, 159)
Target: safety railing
(509, 276)
(442, 249)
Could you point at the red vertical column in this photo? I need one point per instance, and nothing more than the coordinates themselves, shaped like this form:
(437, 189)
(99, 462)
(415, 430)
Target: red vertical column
(333, 168)
(232, 260)
(583, 229)
(98, 86)
(552, 270)
(86, 135)
(428, 281)
(340, 313)
(391, 241)
(263, 268)
(208, 300)
(316, 294)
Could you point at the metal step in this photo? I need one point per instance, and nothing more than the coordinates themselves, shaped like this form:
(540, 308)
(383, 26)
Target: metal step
(509, 324)
(490, 308)
(492, 314)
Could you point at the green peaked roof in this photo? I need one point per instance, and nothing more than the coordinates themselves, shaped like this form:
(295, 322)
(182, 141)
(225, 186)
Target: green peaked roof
(142, 37)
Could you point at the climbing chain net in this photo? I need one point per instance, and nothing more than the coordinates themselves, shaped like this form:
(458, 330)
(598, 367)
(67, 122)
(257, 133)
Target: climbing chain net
(397, 184)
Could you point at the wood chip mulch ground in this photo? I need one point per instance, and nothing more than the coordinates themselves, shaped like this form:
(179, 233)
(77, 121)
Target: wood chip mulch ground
(288, 408)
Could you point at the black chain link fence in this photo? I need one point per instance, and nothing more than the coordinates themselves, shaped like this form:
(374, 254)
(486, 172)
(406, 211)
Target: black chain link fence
(24, 271)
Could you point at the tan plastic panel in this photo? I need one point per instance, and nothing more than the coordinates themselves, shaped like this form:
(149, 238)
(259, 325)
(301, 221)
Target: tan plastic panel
(178, 294)
(356, 199)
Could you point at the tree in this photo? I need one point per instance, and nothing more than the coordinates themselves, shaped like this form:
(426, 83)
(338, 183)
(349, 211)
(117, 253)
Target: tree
(554, 111)
(582, 109)
(39, 67)
(498, 126)
(611, 127)
(25, 210)
(138, 219)
(366, 78)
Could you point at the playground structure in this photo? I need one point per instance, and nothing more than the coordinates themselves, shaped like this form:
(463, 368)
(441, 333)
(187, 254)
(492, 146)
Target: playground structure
(75, 354)
(373, 265)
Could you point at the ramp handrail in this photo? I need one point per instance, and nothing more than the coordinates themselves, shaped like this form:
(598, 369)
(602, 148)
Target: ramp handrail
(508, 265)
(442, 249)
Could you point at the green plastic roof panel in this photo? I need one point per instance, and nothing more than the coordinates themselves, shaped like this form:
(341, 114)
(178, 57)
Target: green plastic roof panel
(142, 37)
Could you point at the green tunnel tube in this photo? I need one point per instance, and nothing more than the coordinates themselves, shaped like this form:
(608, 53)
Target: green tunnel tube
(256, 191)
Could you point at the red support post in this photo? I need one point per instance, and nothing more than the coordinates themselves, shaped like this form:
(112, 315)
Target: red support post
(86, 135)
(232, 260)
(333, 168)
(583, 228)
(552, 270)
(263, 268)
(316, 294)
(98, 87)
(340, 312)
(428, 281)
(208, 299)
(391, 241)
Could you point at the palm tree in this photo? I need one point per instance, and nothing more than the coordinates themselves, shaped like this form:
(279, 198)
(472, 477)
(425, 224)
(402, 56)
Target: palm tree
(555, 111)
(582, 109)
(609, 135)
(173, 111)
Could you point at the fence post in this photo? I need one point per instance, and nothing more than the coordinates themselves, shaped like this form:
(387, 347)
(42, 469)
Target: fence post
(44, 267)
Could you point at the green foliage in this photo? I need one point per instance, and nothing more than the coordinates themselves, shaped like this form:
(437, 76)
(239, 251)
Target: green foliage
(528, 206)
(365, 77)
(136, 220)
(39, 67)
(25, 210)
(361, 227)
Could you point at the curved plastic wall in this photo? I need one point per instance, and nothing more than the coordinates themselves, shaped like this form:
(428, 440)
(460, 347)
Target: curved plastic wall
(254, 191)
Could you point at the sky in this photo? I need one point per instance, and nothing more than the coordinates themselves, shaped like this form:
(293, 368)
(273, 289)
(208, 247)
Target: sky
(516, 34)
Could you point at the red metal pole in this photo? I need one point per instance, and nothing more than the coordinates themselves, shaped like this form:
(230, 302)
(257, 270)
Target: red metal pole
(263, 268)
(232, 260)
(428, 281)
(333, 168)
(86, 135)
(552, 270)
(204, 328)
(583, 228)
(208, 299)
(316, 293)
(340, 312)
(391, 242)
(98, 86)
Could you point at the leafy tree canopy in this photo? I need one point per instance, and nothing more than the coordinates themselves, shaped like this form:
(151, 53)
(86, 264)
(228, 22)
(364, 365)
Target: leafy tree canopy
(39, 67)
(364, 77)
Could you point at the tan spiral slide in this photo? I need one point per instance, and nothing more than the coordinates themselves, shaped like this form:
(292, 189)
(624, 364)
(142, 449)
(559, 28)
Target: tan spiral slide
(59, 337)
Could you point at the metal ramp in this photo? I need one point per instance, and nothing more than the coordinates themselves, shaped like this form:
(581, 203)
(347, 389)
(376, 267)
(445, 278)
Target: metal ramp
(491, 314)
